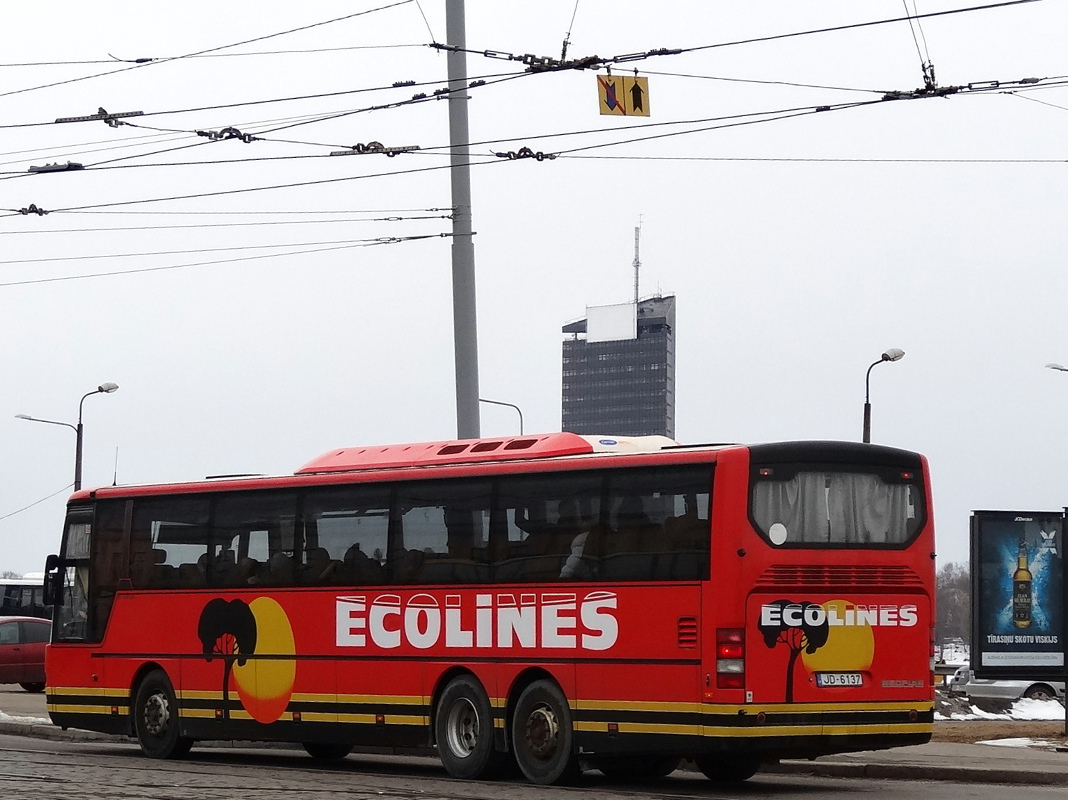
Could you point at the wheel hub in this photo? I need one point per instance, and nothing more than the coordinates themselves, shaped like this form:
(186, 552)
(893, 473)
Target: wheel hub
(462, 728)
(157, 714)
(542, 731)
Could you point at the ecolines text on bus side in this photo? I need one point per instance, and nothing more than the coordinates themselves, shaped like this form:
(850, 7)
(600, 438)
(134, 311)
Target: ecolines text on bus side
(525, 620)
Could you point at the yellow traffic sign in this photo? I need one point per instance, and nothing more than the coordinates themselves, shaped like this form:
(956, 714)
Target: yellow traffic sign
(623, 95)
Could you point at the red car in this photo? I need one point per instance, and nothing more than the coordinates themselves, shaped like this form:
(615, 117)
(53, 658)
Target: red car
(22, 651)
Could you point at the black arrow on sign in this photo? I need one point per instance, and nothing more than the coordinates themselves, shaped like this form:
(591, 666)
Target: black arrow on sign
(636, 97)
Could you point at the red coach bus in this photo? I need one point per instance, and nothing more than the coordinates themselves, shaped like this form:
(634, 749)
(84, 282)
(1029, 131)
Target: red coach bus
(560, 601)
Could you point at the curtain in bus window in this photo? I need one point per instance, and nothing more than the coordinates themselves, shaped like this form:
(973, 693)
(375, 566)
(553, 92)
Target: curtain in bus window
(799, 504)
(864, 509)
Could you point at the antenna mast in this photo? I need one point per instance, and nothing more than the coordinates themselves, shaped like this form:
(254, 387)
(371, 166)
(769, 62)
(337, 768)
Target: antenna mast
(637, 260)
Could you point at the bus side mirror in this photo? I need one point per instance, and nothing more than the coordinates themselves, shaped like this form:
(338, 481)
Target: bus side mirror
(53, 581)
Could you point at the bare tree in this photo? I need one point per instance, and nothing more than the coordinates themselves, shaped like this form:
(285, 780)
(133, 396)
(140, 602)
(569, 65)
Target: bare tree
(954, 599)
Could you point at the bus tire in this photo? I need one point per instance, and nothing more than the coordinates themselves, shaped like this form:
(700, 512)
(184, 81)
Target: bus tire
(463, 730)
(326, 751)
(156, 718)
(33, 687)
(729, 768)
(542, 735)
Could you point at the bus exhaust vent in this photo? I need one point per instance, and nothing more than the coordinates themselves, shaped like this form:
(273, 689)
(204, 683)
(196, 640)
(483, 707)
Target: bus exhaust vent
(832, 577)
(688, 633)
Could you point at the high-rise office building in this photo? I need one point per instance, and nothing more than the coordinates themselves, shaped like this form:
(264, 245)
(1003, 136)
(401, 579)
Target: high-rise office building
(619, 370)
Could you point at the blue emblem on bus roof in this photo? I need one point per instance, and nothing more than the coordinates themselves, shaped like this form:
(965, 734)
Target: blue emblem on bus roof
(607, 442)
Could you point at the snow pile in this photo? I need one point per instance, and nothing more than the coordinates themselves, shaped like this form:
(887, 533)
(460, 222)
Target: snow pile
(23, 720)
(1019, 743)
(955, 654)
(1023, 709)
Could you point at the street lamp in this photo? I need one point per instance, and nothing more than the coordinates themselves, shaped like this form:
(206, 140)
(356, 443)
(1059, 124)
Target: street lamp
(510, 405)
(893, 354)
(1057, 367)
(104, 388)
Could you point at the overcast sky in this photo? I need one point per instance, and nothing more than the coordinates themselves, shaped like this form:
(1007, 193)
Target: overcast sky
(800, 248)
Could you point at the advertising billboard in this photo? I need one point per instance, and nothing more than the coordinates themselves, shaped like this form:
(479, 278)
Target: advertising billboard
(1018, 599)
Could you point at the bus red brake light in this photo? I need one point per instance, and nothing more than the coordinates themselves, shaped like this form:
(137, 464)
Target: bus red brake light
(729, 650)
(730, 658)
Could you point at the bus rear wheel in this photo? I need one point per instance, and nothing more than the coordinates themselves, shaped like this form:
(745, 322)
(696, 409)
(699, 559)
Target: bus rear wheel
(732, 768)
(542, 735)
(156, 718)
(463, 730)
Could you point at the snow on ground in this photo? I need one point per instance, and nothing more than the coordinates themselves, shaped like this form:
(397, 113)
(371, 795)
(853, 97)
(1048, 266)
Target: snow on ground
(24, 720)
(1019, 743)
(956, 654)
(1022, 709)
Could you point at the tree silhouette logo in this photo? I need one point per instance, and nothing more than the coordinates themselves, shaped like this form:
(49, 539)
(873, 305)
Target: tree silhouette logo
(227, 629)
(801, 626)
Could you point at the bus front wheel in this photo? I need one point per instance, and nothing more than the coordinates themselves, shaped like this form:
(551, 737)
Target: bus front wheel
(156, 718)
(542, 735)
(732, 768)
(463, 729)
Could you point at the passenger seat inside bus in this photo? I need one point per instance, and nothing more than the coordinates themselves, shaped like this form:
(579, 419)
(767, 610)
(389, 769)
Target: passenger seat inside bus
(360, 569)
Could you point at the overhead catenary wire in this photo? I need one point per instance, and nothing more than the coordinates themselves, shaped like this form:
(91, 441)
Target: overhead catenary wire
(725, 122)
(547, 64)
(273, 100)
(184, 252)
(242, 190)
(307, 51)
(66, 488)
(141, 65)
(203, 225)
(172, 267)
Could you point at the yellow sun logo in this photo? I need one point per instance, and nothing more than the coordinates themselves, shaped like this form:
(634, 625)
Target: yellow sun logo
(848, 647)
(265, 682)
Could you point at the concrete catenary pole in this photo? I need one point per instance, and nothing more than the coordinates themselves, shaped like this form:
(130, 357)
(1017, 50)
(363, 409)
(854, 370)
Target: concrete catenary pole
(464, 323)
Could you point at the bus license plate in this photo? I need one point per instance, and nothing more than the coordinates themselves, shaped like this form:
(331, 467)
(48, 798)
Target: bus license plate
(839, 679)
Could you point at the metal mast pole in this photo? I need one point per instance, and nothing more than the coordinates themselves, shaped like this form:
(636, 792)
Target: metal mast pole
(464, 322)
(637, 262)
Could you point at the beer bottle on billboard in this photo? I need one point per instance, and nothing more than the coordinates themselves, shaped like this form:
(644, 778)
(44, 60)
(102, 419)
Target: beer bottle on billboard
(1021, 590)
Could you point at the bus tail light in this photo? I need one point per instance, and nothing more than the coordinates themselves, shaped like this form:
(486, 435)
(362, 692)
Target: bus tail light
(730, 658)
(933, 676)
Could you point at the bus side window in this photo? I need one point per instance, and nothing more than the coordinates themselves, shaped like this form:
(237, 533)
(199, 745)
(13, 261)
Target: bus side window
(553, 524)
(350, 525)
(254, 537)
(176, 526)
(444, 531)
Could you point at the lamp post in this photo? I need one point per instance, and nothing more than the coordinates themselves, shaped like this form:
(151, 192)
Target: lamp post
(1058, 367)
(893, 354)
(104, 388)
(510, 405)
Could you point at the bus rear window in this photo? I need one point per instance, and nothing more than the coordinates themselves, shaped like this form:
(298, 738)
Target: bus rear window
(836, 507)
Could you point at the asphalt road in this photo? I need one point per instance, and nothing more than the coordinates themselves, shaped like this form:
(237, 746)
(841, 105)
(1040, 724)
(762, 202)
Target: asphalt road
(17, 702)
(33, 768)
(38, 759)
